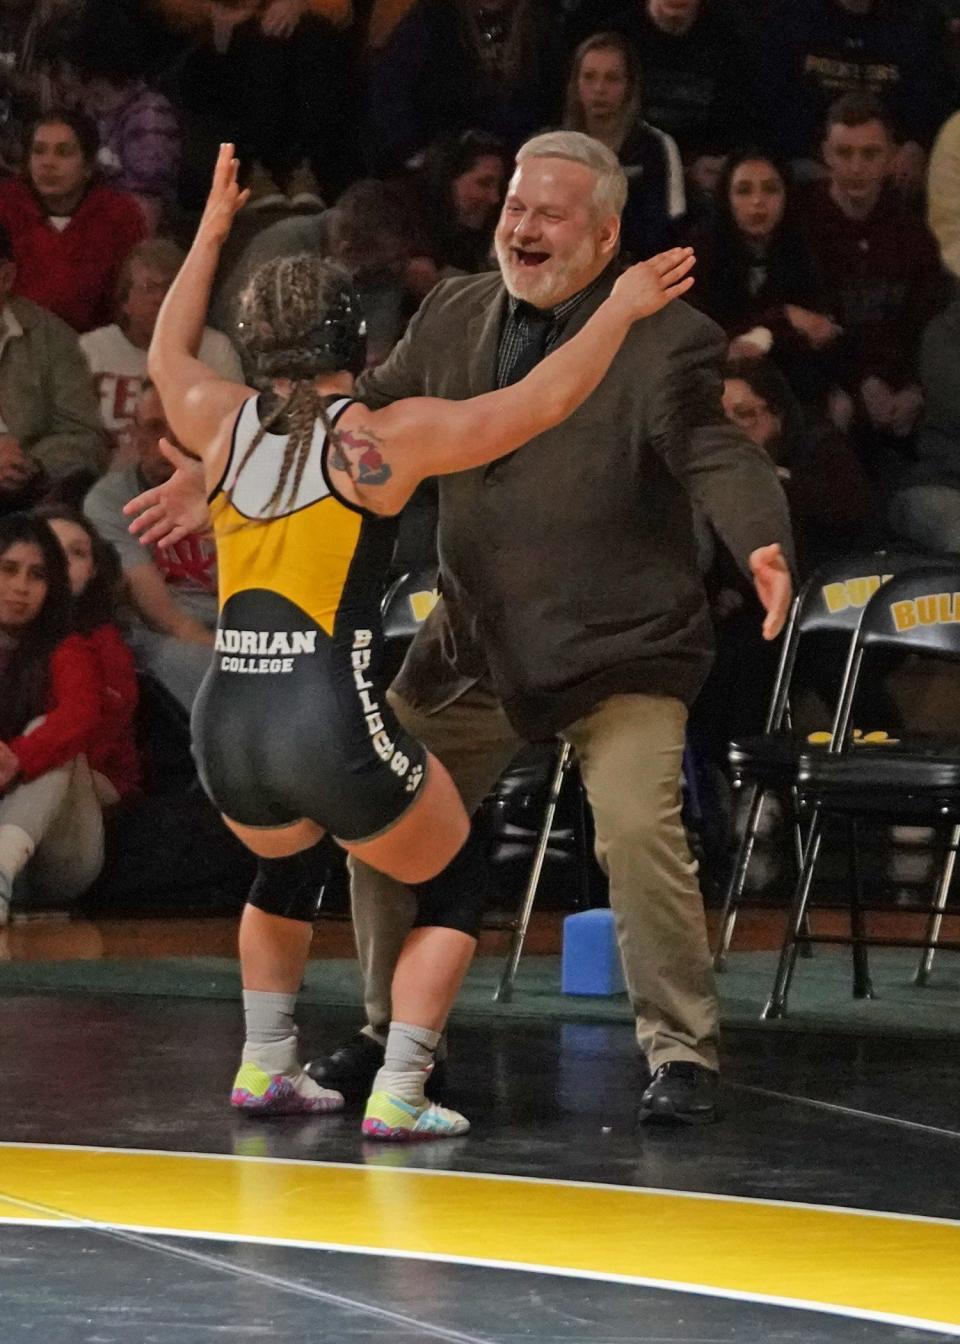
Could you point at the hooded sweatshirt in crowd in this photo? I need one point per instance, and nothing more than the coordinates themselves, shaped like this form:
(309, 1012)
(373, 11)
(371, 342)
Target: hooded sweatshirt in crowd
(814, 51)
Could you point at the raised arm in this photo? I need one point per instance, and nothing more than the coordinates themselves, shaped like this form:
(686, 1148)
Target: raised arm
(429, 437)
(197, 400)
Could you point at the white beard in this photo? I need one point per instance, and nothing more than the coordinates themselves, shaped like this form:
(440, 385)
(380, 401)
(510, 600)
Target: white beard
(551, 282)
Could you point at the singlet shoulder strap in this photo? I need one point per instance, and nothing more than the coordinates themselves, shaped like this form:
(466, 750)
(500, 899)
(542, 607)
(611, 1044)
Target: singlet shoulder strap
(239, 441)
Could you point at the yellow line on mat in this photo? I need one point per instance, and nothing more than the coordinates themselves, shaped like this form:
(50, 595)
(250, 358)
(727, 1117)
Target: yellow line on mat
(888, 1266)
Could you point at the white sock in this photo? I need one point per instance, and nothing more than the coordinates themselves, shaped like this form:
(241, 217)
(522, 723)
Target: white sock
(408, 1062)
(271, 1041)
(16, 851)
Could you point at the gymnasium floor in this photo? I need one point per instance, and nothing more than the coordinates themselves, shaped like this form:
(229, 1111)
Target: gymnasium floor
(136, 1209)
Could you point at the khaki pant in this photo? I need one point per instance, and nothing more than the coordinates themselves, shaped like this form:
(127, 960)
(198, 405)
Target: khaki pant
(630, 752)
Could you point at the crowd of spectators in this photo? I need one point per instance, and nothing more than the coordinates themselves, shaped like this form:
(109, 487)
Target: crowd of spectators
(808, 149)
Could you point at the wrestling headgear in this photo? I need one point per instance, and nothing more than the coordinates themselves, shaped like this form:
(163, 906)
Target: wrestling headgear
(339, 340)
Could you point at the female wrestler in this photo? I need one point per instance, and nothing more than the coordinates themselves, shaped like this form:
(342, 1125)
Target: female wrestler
(292, 730)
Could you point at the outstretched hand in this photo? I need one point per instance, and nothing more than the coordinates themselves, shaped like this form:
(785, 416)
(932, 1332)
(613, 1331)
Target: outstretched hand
(225, 198)
(167, 513)
(771, 578)
(651, 285)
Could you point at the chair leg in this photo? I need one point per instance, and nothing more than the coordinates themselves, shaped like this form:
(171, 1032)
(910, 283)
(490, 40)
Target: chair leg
(862, 988)
(504, 991)
(738, 878)
(922, 976)
(777, 1003)
(806, 949)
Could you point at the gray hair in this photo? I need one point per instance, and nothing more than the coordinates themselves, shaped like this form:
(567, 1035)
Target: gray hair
(610, 189)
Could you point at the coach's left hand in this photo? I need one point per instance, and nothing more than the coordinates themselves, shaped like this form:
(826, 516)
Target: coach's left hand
(771, 578)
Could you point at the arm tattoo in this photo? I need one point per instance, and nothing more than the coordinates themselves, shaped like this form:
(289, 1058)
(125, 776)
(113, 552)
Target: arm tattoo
(358, 454)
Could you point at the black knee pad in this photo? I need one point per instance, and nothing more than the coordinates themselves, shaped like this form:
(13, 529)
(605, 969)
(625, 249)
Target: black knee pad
(292, 887)
(457, 897)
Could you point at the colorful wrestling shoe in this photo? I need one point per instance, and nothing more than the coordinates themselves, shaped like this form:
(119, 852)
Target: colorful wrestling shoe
(391, 1120)
(260, 1093)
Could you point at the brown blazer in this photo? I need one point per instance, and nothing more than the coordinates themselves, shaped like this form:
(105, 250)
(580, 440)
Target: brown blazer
(569, 569)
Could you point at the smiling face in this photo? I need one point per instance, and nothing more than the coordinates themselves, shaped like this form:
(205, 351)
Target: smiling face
(603, 84)
(23, 586)
(58, 168)
(77, 547)
(758, 198)
(550, 242)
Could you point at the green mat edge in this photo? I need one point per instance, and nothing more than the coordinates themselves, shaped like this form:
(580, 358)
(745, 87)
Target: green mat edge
(335, 982)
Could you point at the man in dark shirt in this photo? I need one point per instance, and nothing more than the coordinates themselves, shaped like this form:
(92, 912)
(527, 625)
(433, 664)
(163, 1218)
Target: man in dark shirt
(877, 260)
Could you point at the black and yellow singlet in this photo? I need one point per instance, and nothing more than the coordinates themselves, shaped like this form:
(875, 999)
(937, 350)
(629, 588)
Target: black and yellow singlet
(291, 721)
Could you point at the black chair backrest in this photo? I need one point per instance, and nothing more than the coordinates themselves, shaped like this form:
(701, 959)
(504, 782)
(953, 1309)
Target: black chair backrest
(835, 596)
(407, 604)
(917, 612)
(832, 601)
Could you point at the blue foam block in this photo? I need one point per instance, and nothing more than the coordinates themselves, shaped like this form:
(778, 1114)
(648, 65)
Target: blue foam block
(591, 958)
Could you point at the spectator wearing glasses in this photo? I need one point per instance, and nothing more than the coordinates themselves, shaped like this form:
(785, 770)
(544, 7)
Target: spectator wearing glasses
(117, 353)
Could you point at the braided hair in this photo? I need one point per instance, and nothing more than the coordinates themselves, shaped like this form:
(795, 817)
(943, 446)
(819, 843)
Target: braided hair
(299, 318)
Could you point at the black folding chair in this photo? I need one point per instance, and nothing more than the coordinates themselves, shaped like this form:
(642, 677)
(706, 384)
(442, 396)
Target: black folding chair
(914, 780)
(829, 604)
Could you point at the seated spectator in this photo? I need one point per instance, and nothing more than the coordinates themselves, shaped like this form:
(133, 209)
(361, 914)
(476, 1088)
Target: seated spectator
(814, 51)
(831, 504)
(268, 226)
(755, 275)
(274, 78)
(173, 591)
(51, 803)
(50, 429)
(457, 197)
(693, 59)
(139, 132)
(367, 232)
(454, 65)
(370, 233)
(117, 354)
(943, 194)
(93, 571)
(603, 100)
(879, 263)
(70, 232)
(925, 510)
(31, 34)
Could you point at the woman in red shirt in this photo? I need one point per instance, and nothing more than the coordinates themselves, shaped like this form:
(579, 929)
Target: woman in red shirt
(93, 569)
(70, 232)
(51, 814)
